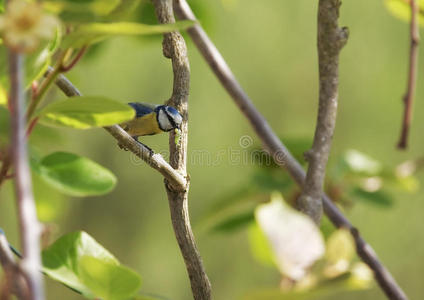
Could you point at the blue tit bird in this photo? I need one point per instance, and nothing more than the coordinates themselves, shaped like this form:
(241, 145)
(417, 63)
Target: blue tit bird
(152, 119)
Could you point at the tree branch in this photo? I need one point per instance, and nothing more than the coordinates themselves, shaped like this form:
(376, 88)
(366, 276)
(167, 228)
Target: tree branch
(331, 39)
(408, 99)
(30, 229)
(174, 47)
(15, 282)
(276, 148)
(176, 184)
(156, 161)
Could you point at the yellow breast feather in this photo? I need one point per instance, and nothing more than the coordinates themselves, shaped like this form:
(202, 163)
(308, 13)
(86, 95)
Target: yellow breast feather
(145, 125)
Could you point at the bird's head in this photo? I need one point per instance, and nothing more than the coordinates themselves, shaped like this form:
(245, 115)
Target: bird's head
(168, 118)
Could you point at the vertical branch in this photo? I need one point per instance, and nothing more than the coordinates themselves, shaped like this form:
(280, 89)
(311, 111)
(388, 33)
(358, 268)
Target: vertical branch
(331, 39)
(408, 99)
(174, 47)
(29, 226)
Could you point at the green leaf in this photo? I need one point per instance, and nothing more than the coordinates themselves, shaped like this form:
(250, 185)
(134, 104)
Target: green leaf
(86, 112)
(107, 280)
(75, 175)
(95, 32)
(379, 198)
(402, 10)
(49, 202)
(234, 222)
(61, 260)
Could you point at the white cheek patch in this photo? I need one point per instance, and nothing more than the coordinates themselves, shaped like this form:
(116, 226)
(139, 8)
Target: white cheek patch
(163, 121)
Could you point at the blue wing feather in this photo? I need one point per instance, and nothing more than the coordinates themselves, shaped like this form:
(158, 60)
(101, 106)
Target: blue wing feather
(141, 109)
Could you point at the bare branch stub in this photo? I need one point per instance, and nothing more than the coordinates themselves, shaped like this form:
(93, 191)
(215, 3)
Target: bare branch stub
(279, 152)
(331, 39)
(408, 98)
(174, 47)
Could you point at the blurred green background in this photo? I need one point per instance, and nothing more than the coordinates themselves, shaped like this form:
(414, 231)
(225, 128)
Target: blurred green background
(271, 47)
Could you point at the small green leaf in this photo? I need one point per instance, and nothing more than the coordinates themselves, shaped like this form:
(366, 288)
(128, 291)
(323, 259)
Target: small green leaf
(61, 260)
(379, 197)
(75, 175)
(95, 32)
(402, 10)
(107, 280)
(86, 112)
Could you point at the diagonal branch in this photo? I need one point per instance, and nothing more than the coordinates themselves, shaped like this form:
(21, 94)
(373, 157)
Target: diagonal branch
(276, 148)
(408, 99)
(30, 229)
(156, 161)
(174, 47)
(331, 39)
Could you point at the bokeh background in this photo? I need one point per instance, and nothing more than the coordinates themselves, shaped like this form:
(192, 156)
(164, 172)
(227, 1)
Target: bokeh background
(271, 47)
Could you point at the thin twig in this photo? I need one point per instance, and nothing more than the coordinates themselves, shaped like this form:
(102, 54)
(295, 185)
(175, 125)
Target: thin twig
(156, 161)
(276, 148)
(5, 166)
(408, 99)
(44, 86)
(30, 229)
(174, 47)
(15, 282)
(331, 39)
(65, 68)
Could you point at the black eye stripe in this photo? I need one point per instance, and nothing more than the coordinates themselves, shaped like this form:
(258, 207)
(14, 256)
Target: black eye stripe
(171, 120)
